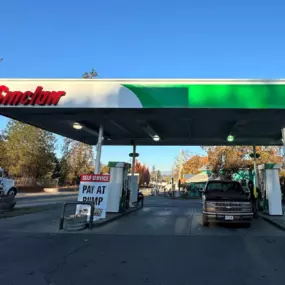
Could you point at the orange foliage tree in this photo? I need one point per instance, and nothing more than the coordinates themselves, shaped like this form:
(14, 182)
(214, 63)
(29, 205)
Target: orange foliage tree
(143, 171)
(230, 159)
(193, 165)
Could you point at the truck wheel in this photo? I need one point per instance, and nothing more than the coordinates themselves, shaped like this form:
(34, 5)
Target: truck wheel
(12, 192)
(205, 221)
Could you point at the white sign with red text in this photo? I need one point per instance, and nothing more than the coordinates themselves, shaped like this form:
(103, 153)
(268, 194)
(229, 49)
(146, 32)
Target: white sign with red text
(93, 188)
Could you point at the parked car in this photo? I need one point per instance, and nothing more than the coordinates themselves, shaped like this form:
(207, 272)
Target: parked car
(226, 202)
(7, 185)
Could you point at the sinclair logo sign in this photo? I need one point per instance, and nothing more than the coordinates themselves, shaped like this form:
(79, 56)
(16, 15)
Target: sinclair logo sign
(28, 98)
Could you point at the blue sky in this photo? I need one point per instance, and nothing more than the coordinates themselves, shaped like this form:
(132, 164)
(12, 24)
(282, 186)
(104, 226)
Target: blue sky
(135, 39)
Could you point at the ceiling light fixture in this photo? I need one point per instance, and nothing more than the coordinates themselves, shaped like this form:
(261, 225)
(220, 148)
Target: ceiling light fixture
(77, 126)
(230, 138)
(156, 138)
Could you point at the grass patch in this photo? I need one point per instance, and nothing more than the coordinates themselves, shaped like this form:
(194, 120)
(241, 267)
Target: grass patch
(25, 211)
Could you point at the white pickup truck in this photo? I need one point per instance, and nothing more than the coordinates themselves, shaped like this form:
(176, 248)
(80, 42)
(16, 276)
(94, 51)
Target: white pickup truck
(7, 185)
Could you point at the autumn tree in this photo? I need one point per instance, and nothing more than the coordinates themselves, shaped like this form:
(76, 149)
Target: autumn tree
(29, 151)
(140, 169)
(143, 171)
(193, 164)
(146, 176)
(224, 161)
(105, 169)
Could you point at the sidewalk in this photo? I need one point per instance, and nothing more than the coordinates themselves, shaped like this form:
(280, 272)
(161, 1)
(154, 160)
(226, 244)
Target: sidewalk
(278, 221)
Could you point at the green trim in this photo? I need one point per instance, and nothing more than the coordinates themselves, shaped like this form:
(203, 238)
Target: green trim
(270, 165)
(119, 164)
(248, 96)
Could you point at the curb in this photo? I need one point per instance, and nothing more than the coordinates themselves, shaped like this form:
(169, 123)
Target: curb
(102, 223)
(281, 227)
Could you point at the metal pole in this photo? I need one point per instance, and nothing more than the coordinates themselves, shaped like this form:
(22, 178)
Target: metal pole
(255, 168)
(132, 190)
(98, 148)
(283, 141)
(180, 170)
(133, 161)
(156, 178)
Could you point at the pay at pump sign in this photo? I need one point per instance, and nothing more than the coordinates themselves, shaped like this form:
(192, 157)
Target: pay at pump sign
(93, 188)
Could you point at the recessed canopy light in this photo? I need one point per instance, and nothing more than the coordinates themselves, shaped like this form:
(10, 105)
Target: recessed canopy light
(156, 138)
(230, 138)
(77, 126)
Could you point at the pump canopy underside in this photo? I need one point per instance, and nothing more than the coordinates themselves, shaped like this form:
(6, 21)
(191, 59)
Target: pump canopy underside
(174, 126)
(175, 111)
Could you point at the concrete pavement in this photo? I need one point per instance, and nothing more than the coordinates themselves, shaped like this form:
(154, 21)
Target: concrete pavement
(278, 221)
(162, 244)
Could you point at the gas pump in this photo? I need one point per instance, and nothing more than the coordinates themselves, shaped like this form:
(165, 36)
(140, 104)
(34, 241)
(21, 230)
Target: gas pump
(270, 188)
(134, 186)
(119, 192)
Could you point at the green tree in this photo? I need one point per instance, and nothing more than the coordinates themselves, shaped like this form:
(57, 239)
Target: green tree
(29, 151)
(90, 75)
(158, 175)
(153, 173)
(77, 159)
(56, 170)
(64, 167)
(3, 154)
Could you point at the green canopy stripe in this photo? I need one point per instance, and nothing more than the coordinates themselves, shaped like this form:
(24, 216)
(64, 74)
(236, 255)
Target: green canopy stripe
(234, 96)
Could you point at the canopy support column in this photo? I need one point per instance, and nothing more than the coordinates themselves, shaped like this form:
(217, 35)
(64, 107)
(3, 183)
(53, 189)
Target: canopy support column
(133, 185)
(98, 150)
(283, 141)
(133, 160)
(255, 172)
(255, 167)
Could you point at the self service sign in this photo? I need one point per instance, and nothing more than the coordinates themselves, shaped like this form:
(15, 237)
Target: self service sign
(93, 188)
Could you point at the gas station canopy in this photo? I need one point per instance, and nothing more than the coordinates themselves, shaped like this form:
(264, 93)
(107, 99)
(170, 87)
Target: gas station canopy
(150, 111)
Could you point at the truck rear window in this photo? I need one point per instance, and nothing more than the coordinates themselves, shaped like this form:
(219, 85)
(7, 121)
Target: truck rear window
(224, 187)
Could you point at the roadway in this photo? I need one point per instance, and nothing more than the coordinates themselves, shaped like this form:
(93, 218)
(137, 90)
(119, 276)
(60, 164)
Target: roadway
(162, 244)
(40, 199)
